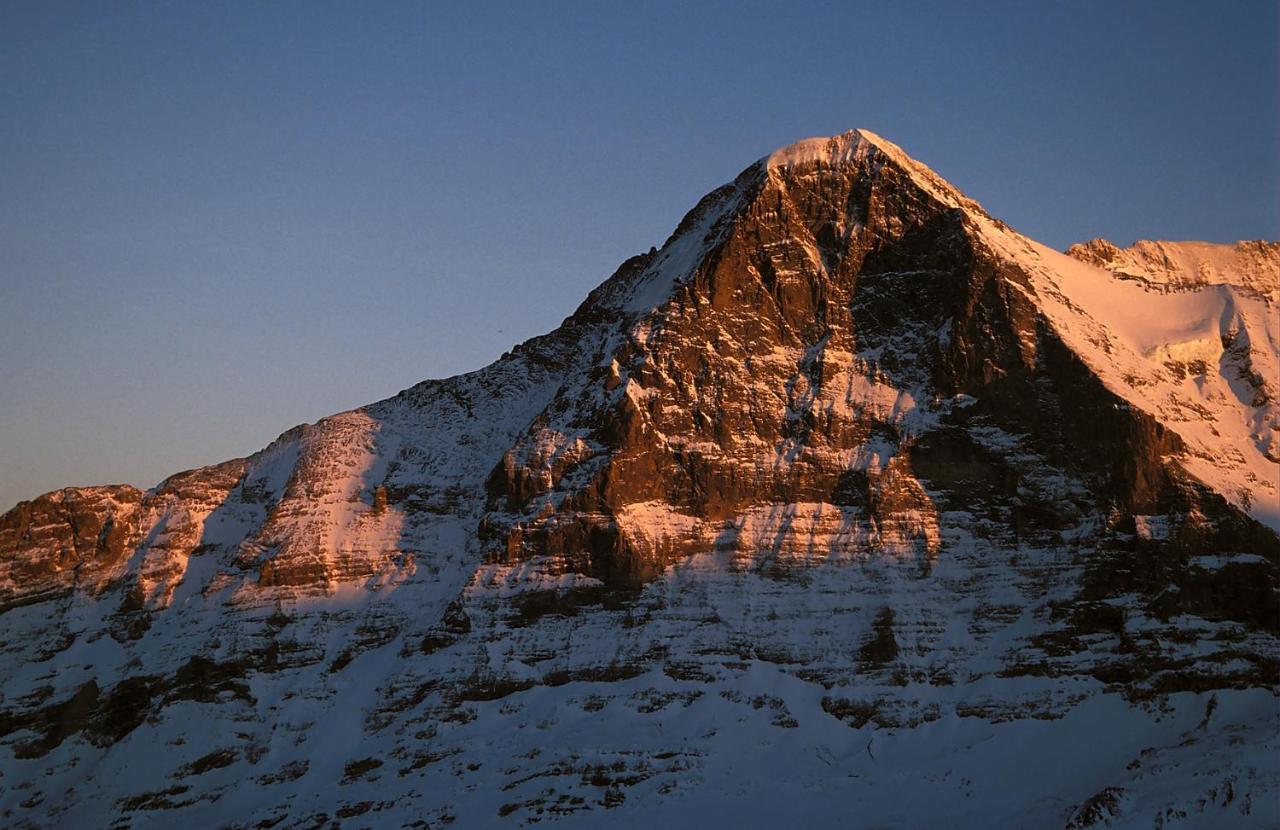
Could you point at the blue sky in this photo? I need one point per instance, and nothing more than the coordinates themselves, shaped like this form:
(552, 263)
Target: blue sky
(220, 220)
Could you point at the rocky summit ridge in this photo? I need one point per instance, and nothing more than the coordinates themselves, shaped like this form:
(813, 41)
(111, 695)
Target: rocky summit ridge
(847, 492)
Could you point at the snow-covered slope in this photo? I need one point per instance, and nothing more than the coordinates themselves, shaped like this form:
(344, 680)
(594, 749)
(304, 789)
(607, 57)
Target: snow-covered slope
(1190, 334)
(1202, 360)
(846, 494)
(1252, 265)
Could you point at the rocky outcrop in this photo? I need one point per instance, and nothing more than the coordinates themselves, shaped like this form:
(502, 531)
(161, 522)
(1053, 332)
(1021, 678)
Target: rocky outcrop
(69, 539)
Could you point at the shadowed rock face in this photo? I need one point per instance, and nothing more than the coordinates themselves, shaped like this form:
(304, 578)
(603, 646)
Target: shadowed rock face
(845, 450)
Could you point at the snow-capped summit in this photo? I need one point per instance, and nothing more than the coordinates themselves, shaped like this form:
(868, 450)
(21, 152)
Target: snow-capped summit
(845, 148)
(847, 492)
(855, 146)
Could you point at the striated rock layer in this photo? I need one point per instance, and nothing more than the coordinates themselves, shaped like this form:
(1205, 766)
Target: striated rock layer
(846, 491)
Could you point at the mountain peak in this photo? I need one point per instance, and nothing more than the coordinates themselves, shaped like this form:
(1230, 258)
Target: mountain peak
(851, 145)
(858, 146)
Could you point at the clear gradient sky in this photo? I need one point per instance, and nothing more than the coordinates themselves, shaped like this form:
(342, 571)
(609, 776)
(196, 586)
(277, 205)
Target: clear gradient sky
(218, 220)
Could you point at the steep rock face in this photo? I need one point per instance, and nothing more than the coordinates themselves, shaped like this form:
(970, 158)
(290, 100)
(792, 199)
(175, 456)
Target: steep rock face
(66, 540)
(847, 484)
(742, 391)
(847, 305)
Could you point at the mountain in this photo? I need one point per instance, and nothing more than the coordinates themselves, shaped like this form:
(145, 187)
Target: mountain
(847, 505)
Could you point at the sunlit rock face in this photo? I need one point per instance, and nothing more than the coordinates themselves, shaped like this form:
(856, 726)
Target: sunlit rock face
(846, 491)
(67, 540)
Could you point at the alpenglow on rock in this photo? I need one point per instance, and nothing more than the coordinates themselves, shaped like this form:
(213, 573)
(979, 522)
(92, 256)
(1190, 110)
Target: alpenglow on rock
(848, 506)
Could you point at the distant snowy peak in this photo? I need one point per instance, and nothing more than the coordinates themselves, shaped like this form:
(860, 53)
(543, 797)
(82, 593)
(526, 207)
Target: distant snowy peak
(1252, 264)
